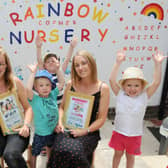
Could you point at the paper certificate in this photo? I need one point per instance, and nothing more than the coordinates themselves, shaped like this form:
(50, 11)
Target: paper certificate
(78, 108)
(11, 113)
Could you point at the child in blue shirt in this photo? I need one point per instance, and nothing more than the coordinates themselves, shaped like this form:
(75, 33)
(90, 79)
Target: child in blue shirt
(45, 109)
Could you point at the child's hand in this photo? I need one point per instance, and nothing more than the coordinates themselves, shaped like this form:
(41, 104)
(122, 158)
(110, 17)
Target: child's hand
(158, 57)
(74, 42)
(59, 128)
(38, 41)
(57, 65)
(32, 67)
(120, 56)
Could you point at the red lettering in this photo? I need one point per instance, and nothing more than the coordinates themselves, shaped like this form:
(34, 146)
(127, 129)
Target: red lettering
(42, 35)
(15, 18)
(32, 37)
(69, 9)
(84, 34)
(29, 13)
(84, 14)
(102, 34)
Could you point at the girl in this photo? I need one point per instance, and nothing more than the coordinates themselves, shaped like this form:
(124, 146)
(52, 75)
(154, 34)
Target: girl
(132, 97)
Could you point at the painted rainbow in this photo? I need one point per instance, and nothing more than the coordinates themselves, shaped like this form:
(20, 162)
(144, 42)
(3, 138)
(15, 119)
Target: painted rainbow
(153, 9)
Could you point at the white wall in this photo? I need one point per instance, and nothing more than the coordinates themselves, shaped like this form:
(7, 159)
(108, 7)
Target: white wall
(102, 35)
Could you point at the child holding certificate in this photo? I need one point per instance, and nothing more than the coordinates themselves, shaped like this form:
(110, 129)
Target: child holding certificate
(12, 101)
(45, 109)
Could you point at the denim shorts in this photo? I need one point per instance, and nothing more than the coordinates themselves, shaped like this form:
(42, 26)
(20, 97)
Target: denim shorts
(40, 141)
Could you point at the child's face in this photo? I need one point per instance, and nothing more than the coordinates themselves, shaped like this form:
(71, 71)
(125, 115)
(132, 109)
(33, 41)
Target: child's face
(133, 87)
(51, 65)
(43, 86)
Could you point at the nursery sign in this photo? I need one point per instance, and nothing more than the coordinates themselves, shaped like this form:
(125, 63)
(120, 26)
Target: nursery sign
(101, 26)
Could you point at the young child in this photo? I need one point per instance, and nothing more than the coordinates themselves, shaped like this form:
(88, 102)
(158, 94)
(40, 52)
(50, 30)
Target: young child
(52, 63)
(45, 109)
(132, 96)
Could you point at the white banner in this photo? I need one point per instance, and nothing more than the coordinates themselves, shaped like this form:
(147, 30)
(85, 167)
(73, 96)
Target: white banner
(102, 27)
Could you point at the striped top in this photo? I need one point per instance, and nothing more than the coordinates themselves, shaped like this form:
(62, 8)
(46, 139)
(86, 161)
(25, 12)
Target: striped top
(60, 95)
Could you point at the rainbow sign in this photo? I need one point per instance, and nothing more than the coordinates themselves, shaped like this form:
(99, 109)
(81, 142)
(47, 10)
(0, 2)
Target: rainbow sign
(153, 9)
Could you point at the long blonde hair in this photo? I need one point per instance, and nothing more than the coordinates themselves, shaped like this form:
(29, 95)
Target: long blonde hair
(92, 64)
(8, 76)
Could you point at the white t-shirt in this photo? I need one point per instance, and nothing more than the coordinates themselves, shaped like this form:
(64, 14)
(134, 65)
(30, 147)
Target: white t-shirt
(130, 112)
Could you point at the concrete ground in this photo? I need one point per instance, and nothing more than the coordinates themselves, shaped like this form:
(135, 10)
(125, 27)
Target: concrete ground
(104, 154)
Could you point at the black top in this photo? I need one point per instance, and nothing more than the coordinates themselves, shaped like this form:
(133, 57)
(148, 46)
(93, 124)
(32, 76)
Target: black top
(95, 104)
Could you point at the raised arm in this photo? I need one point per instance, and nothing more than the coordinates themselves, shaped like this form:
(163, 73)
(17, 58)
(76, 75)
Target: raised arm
(73, 44)
(61, 80)
(38, 52)
(158, 59)
(33, 69)
(113, 76)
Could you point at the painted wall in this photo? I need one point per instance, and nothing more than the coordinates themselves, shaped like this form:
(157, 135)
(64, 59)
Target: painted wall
(102, 27)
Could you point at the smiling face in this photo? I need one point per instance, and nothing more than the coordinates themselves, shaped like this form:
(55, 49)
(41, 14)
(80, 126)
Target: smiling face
(51, 64)
(43, 86)
(82, 67)
(133, 87)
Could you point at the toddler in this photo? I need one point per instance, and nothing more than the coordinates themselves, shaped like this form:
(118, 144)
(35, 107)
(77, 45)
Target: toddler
(132, 92)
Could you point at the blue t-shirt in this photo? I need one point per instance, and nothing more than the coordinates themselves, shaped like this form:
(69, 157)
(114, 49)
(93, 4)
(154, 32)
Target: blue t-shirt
(45, 112)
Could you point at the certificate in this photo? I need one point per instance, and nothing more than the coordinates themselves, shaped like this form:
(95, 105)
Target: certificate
(78, 108)
(11, 113)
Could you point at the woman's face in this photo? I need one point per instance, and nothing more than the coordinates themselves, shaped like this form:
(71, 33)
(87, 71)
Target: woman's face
(2, 65)
(82, 66)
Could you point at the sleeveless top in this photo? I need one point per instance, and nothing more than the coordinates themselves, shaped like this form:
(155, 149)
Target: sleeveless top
(95, 104)
(130, 112)
(60, 95)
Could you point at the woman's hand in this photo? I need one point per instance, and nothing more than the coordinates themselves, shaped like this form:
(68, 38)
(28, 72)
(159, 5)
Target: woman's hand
(23, 131)
(78, 132)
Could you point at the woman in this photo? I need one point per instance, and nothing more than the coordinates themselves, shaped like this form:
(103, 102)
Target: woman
(75, 149)
(12, 146)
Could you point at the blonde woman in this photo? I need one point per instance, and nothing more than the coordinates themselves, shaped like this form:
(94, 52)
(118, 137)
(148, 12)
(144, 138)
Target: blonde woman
(75, 148)
(12, 146)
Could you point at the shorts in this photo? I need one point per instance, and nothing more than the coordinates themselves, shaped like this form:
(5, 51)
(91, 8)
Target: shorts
(131, 144)
(40, 141)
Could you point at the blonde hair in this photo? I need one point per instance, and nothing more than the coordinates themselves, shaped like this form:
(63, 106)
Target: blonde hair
(8, 76)
(92, 64)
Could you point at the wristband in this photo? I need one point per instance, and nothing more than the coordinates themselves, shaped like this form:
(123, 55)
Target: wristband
(88, 130)
(28, 125)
